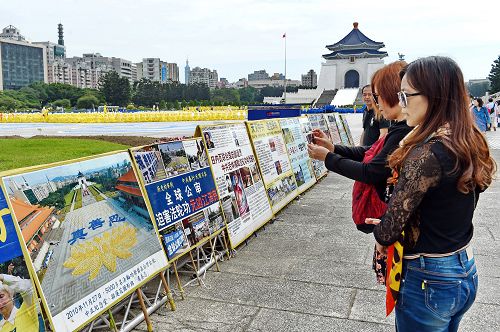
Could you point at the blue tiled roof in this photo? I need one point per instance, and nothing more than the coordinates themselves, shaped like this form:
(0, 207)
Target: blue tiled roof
(355, 38)
(355, 51)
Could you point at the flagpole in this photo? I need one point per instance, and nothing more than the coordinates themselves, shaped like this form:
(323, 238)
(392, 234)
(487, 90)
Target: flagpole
(285, 68)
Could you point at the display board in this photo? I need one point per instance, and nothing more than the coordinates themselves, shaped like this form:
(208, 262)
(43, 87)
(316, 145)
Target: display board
(88, 233)
(181, 193)
(346, 128)
(334, 129)
(241, 189)
(274, 163)
(340, 125)
(18, 297)
(319, 167)
(296, 146)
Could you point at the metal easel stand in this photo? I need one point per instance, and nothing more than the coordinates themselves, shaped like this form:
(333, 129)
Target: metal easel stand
(205, 257)
(128, 313)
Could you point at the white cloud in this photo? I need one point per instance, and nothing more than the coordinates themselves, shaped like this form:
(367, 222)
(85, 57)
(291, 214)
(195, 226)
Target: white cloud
(239, 36)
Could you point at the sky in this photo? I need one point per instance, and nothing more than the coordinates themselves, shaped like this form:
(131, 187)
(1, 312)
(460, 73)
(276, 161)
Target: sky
(37, 177)
(237, 37)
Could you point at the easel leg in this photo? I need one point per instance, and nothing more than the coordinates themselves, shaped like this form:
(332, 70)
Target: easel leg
(212, 246)
(144, 310)
(194, 267)
(228, 252)
(169, 292)
(112, 323)
(179, 284)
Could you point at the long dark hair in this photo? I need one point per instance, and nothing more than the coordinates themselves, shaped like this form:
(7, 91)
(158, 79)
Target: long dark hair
(440, 80)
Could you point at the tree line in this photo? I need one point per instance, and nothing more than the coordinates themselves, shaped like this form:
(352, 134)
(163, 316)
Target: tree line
(143, 94)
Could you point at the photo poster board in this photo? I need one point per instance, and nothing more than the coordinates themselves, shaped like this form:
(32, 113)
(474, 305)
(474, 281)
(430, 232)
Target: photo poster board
(87, 232)
(319, 167)
(347, 129)
(274, 162)
(244, 200)
(334, 130)
(180, 192)
(296, 146)
(18, 293)
(340, 125)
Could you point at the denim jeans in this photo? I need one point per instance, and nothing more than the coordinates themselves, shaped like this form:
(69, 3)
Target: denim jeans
(435, 293)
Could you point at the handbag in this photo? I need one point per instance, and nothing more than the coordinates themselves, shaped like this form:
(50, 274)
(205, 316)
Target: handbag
(365, 200)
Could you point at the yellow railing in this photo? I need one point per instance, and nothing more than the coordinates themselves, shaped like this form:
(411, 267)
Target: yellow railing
(112, 117)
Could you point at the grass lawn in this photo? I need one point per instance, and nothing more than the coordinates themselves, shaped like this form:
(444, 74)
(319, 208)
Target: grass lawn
(23, 152)
(78, 202)
(96, 194)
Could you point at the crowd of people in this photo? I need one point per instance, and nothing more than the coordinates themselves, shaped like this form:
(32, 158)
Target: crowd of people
(419, 183)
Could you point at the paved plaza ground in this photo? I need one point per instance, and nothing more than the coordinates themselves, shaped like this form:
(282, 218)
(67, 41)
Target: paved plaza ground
(311, 271)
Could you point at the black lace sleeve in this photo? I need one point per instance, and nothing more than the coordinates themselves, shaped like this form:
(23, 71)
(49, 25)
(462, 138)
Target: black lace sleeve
(420, 172)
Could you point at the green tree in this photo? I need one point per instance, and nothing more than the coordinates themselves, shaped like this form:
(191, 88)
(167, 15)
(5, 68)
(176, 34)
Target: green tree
(116, 89)
(87, 102)
(65, 103)
(163, 105)
(494, 76)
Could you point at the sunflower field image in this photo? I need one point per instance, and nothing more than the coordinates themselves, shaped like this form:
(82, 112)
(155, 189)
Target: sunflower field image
(88, 233)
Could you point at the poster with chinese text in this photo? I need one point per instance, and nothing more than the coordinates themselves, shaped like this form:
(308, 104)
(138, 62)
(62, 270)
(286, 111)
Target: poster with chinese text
(88, 233)
(340, 125)
(181, 192)
(237, 176)
(296, 146)
(334, 129)
(346, 128)
(274, 163)
(307, 128)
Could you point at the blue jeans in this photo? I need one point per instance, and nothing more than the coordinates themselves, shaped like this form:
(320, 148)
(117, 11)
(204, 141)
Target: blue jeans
(435, 293)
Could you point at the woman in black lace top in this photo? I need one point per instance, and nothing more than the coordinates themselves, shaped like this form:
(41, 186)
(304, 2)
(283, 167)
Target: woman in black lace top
(442, 166)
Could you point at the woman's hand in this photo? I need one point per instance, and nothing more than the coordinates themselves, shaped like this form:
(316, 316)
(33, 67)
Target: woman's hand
(317, 152)
(324, 142)
(374, 221)
(318, 133)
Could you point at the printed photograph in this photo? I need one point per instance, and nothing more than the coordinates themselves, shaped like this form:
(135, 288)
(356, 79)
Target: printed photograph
(239, 192)
(272, 145)
(255, 173)
(288, 135)
(175, 241)
(195, 154)
(150, 162)
(208, 140)
(83, 223)
(174, 158)
(281, 188)
(215, 218)
(230, 208)
(19, 307)
(196, 227)
(277, 165)
(246, 175)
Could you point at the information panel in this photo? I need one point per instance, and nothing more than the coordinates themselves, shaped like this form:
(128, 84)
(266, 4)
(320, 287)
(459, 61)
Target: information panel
(18, 298)
(334, 130)
(347, 129)
(296, 146)
(274, 163)
(181, 193)
(88, 233)
(319, 167)
(237, 176)
(340, 125)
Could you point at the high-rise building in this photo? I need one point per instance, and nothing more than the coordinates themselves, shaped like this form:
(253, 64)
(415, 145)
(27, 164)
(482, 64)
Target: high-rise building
(173, 72)
(258, 75)
(21, 63)
(204, 76)
(156, 70)
(13, 33)
(310, 79)
(187, 72)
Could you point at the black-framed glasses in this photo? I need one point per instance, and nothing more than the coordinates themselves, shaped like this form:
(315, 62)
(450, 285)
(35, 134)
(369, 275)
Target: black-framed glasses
(375, 97)
(403, 97)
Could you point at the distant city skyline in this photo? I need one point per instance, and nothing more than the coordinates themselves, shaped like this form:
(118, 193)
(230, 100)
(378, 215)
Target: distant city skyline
(241, 36)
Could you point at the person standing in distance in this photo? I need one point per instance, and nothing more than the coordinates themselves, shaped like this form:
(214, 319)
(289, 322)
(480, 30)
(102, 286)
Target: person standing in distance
(374, 125)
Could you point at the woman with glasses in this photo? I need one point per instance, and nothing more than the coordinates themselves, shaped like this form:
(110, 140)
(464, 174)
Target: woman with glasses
(441, 166)
(348, 161)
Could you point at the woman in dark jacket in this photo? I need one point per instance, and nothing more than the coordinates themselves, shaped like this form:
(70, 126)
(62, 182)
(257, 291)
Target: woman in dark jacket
(347, 161)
